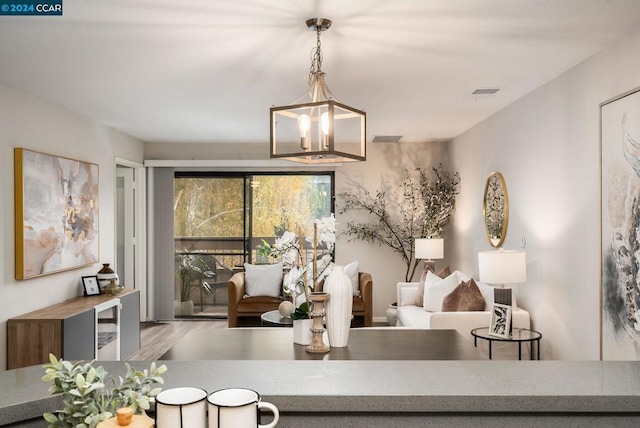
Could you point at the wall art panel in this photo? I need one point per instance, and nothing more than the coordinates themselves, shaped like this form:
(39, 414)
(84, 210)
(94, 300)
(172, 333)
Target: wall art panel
(56, 213)
(620, 154)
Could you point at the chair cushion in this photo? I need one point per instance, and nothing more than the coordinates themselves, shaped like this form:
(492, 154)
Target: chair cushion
(465, 297)
(257, 305)
(352, 272)
(358, 304)
(263, 280)
(443, 273)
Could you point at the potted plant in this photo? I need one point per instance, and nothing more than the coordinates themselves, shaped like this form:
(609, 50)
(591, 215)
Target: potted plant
(420, 208)
(85, 398)
(303, 275)
(192, 271)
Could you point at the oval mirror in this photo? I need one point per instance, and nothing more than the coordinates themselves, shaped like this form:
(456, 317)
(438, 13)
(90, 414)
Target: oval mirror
(495, 209)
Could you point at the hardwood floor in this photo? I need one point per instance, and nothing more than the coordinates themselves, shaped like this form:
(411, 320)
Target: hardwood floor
(158, 337)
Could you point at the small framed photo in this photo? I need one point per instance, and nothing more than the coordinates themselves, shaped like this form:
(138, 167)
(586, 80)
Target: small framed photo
(91, 285)
(500, 321)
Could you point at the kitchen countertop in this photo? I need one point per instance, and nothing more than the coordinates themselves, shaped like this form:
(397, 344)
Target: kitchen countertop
(371, 387)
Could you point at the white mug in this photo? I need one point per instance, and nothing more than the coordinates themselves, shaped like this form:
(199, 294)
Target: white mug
(181, 407)
(238, 408)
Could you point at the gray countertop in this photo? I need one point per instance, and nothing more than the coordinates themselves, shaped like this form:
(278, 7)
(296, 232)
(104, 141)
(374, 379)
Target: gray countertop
(378, 386)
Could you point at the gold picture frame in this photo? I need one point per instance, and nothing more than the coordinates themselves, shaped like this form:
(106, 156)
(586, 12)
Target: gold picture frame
(56, 213)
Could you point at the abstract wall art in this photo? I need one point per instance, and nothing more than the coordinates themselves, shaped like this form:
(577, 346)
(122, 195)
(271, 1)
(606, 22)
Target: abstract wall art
(56, 213)
(620, 157)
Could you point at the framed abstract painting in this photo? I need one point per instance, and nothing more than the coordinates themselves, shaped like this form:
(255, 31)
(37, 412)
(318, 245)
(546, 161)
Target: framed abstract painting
(500, 321)
(56, 213)
(620, 160)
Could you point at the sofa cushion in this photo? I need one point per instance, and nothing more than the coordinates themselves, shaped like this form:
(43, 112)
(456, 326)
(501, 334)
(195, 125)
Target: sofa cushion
(352, 272)
(487, 292)
(465, 297)
(435, 289)
(263, 280)
(443, 273)
(413, 316)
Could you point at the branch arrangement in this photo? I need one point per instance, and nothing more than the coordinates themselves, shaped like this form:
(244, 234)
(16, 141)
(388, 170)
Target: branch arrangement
(420, 207)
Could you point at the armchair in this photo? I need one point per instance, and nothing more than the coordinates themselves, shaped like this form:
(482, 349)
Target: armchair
(246, 311)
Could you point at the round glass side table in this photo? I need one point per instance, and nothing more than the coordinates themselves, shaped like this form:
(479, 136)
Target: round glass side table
(273, 318)
(519, 335)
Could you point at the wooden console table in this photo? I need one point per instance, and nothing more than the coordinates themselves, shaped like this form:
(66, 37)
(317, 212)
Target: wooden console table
(68, 330)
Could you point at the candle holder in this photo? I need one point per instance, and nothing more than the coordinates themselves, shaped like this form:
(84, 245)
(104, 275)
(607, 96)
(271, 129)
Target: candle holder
(317, 344)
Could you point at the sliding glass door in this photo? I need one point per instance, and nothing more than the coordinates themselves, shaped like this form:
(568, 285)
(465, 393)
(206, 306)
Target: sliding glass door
(220, 219)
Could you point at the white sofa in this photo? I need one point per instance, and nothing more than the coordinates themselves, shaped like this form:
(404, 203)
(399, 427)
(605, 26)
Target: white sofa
(410, 315)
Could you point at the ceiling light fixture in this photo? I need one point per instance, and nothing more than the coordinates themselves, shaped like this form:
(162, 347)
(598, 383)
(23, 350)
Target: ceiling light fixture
(316, 128)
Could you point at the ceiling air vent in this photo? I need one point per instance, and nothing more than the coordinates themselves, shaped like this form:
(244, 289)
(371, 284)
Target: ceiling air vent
(485, 91)
(386, 139)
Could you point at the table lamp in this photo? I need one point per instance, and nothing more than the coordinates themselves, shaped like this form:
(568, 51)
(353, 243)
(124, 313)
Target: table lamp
(500, 268)
(427, 249)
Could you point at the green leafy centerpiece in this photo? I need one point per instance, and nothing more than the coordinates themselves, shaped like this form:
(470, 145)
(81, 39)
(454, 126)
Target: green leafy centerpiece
(85, 396)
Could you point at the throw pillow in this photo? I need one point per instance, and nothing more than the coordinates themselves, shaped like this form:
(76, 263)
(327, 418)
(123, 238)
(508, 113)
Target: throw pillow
(487, 291)
(263, 280)
(352, 272)
(465, 297)
(435, 289)
(420, 296)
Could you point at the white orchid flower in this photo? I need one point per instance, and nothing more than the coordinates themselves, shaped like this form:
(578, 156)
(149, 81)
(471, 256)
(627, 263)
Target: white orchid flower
(290, 257)
(289, 249)
(286, 241)
(291, 280)
(326, 229)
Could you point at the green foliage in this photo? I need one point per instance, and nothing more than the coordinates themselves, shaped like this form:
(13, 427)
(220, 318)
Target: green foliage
(86, 403)
(192, 270)
(421, 207)
(302, 311)
(214, 206)
(208, 206)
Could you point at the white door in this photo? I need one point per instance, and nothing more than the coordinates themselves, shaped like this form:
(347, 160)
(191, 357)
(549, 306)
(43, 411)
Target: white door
(130, 229)
(125, 226)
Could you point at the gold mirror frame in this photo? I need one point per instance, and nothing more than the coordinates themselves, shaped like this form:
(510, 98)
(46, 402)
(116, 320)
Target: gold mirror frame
(495, 209)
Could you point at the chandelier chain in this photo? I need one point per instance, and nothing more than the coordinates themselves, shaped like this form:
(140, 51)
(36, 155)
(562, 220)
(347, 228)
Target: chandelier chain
(316, 57)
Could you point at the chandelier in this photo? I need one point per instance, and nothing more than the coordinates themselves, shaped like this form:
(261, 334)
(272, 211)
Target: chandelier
(316, 128)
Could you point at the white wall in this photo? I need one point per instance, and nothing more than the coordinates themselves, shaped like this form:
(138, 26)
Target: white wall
(547, 147)
(28, 122)
(384, 167)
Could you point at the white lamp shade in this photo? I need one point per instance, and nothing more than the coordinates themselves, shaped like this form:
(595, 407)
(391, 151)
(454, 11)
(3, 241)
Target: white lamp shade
(427, 249)
(502, 267)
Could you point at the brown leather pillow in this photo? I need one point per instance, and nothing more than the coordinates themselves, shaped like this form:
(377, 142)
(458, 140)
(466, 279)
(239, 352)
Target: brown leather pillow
(465, 297)
(444, 272)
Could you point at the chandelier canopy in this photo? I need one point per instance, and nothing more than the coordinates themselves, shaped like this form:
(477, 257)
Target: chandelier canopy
(316, 128)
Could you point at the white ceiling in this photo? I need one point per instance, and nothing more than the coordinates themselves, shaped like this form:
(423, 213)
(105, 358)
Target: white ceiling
(208, 70)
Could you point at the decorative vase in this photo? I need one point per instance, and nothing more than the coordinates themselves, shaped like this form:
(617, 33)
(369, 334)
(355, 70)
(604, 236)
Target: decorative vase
(105, 275)
(302, 331)
(318, 300)
(339, 308)
(392, 314)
